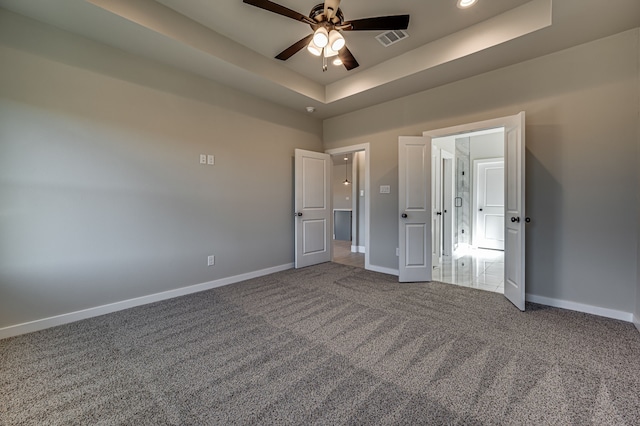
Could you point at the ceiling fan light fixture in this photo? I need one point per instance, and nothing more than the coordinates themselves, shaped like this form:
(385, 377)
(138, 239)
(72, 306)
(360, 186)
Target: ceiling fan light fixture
(463, 4)
(321, 37)
(315, 50)
(336, 41)
(346, 171)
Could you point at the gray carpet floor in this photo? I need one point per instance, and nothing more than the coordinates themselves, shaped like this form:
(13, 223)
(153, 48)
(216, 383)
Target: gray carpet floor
(329, 344)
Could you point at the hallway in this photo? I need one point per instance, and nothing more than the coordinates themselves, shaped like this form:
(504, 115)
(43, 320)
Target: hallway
(342, 254)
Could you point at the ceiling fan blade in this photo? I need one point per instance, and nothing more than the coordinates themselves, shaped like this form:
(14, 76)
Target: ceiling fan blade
(294, 48)
(381, 23)
(280, 10)
(347, 59)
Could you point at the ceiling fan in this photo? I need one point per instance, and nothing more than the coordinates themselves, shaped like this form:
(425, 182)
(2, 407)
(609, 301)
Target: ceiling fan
(327, 22)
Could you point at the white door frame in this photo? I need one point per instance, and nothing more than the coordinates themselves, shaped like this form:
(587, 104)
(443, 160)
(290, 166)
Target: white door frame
(367, 192)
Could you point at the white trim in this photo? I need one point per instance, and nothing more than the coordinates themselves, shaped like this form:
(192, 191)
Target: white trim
(358, 249)
(41, 324)
(384, 270)
(366, 147)
(574, 306)
(464, 129)
(636, 321)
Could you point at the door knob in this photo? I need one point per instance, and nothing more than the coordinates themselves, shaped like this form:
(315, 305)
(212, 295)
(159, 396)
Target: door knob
(515, 219)
(297, 214)
(480, 209)
(439, 213)
(404, 215)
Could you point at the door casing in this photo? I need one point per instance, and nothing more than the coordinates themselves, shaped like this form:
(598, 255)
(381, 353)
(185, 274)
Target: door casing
(512, 124)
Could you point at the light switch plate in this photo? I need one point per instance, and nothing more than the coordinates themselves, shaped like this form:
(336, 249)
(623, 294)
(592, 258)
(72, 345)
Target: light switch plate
(385, 189)
(211, 159)
(203, 159)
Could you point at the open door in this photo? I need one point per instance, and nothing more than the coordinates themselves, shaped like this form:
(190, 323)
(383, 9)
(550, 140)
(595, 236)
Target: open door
(514, 169)
(414, 196)
(313, 208)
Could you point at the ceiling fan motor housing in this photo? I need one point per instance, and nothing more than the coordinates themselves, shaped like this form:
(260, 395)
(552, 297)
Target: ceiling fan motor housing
(318, 14)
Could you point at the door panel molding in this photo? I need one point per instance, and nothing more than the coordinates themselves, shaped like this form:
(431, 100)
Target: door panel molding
(414, 208)
(313, 214)
(486, 211)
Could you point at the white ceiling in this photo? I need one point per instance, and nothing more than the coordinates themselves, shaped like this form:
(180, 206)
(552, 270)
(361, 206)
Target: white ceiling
(234, 43)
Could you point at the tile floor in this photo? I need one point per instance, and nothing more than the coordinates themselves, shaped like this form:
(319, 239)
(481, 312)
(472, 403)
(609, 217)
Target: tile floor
(477, 268)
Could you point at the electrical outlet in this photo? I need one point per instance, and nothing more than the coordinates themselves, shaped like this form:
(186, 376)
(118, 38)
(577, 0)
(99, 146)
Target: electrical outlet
(203, 159)
(211, 260)
(211, 160)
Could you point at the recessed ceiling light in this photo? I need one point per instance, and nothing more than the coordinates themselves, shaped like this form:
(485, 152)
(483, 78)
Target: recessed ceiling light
(463, 4)
(310, 109)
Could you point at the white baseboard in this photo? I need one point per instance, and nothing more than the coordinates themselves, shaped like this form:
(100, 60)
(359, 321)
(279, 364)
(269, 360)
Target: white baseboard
(636, 321)
(587, 309)
(383, 270)
(41, 324)
(357, 249)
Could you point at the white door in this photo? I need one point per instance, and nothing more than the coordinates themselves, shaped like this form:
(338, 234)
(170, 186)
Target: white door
(514, 154)
(489, 226)
(414, 196)
(312, 208)
(448, 191)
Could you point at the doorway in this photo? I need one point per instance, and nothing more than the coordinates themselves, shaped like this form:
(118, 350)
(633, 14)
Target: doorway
(348, 208)
(467, 177)
(350, 204)
(415, 203)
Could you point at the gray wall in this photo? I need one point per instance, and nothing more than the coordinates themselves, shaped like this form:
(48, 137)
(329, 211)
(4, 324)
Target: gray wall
(102, 197)
(581, 159)
(487, 146)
